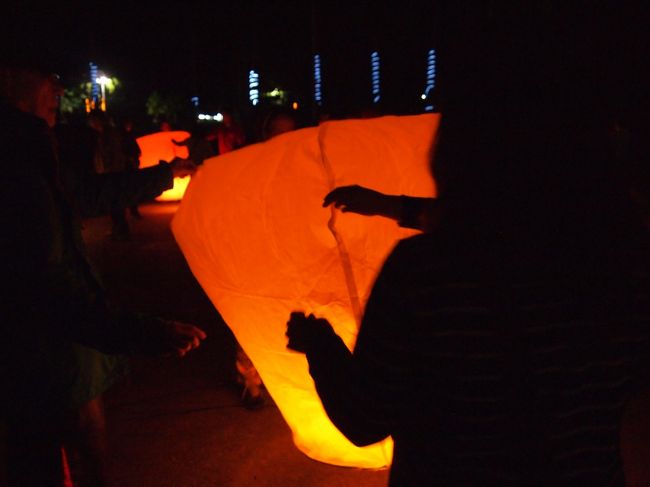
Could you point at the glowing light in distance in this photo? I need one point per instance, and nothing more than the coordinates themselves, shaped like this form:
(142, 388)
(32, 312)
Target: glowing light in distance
(217, 118)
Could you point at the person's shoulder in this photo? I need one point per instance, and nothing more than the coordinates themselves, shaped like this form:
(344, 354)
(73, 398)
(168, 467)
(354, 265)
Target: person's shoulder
(430, 254)
(19, 122)
(406, 245)
(423, 243)
(25, 136)
(413, 252)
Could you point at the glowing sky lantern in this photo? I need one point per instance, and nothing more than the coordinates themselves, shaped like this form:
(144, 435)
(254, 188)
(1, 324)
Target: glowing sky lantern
(256, 237)
(159, 147)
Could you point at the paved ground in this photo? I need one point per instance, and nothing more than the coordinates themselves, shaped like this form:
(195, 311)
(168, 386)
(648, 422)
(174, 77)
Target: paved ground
(179, 422)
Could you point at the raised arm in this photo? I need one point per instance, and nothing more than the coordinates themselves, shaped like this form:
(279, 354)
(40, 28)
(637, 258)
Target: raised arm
(360, 390)
(99, 193)
(408, 211)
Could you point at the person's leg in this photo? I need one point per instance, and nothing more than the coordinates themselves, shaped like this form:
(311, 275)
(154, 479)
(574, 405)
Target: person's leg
(135, 212)
(33, 451)
(120, 229)
(85, 445)
(252, 396)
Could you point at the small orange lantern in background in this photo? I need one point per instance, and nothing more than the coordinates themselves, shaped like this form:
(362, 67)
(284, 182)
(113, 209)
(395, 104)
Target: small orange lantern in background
(159, 147)
(255, 234)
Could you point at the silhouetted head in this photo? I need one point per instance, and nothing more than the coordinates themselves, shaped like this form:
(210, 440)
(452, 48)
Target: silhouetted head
(523, 135)
(227, 120)
(278, 121)
(29, 81)
(98, 120)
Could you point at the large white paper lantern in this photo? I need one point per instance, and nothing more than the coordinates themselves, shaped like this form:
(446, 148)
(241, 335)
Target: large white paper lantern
(255, 234)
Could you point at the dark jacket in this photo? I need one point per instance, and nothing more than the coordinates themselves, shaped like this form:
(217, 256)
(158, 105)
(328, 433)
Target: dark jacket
(55, 318)
(488, 381)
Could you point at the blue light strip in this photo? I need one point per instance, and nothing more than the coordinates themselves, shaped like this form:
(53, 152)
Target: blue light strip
(318, 95)
(431, 78)
(376, 86)
(94, 86)
(431, 69)
(253, 87)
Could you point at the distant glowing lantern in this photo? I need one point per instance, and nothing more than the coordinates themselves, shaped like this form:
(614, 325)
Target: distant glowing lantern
(256, 237)
(159, 147)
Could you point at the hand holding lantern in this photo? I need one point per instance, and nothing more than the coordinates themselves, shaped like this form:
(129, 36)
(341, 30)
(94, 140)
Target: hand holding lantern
(358, 199)
(182, 167)
(304, 332)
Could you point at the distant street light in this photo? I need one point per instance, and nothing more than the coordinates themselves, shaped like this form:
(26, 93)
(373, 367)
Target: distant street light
(103, 81)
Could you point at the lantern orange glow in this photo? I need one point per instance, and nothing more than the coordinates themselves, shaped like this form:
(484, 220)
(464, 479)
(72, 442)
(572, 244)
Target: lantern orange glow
(159, 147)
(256, 237)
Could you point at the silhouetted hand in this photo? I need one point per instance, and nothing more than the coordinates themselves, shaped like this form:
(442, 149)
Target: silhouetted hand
(357, 199)
(182, 167)
(304, 332)
(180, 142)
(177, 338)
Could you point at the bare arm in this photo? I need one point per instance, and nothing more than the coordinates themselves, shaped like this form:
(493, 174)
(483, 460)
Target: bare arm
(408, 211)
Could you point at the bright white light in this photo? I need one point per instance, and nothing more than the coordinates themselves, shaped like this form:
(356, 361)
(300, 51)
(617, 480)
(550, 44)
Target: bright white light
(204, 116)
(102, 81)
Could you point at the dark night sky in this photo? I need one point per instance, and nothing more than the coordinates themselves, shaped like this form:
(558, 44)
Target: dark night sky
(209, 47)
(206, 48)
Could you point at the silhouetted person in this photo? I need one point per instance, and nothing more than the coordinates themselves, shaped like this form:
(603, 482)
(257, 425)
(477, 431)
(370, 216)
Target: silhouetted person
(165, 126)
(278, 120)
(60, 338)
(230, 135)
(502, 347)
(111, 157)
(199, 144)
(132, 153)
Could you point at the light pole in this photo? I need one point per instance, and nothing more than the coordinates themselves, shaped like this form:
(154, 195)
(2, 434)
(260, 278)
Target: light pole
(103, 81)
